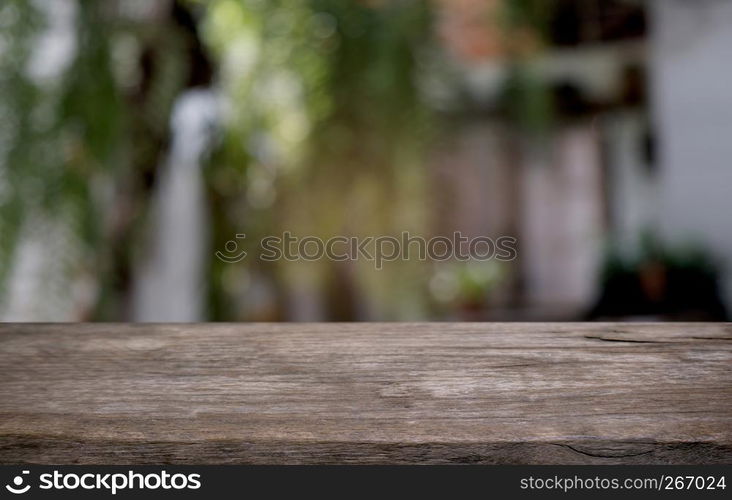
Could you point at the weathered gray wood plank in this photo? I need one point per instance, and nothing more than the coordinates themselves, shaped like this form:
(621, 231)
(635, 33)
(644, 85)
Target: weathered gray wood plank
(366, 393)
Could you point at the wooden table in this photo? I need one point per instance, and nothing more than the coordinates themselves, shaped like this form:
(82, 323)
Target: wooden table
(585, 393)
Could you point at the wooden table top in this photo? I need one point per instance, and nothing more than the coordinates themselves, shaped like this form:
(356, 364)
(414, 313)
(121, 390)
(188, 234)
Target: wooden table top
(538, 393)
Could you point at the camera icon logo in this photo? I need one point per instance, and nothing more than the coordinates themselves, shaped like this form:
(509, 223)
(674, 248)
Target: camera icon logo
(232, 254)
(17, 484)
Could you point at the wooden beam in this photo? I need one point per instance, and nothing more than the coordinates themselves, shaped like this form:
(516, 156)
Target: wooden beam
(584, 393)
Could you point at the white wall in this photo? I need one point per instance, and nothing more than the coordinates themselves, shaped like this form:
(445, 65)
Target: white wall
(562, 221)
(691, 70)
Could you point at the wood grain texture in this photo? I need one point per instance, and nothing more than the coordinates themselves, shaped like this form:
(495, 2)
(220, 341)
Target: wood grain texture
(587, 393)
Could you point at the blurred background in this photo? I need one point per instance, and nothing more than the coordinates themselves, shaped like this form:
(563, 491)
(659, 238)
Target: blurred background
(138, 137)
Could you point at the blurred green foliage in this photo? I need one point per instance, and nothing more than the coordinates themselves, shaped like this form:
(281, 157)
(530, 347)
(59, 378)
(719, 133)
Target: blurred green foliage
(324, 131)
(326, 126)
(58, 135)
(78, 149)
(317, 92)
